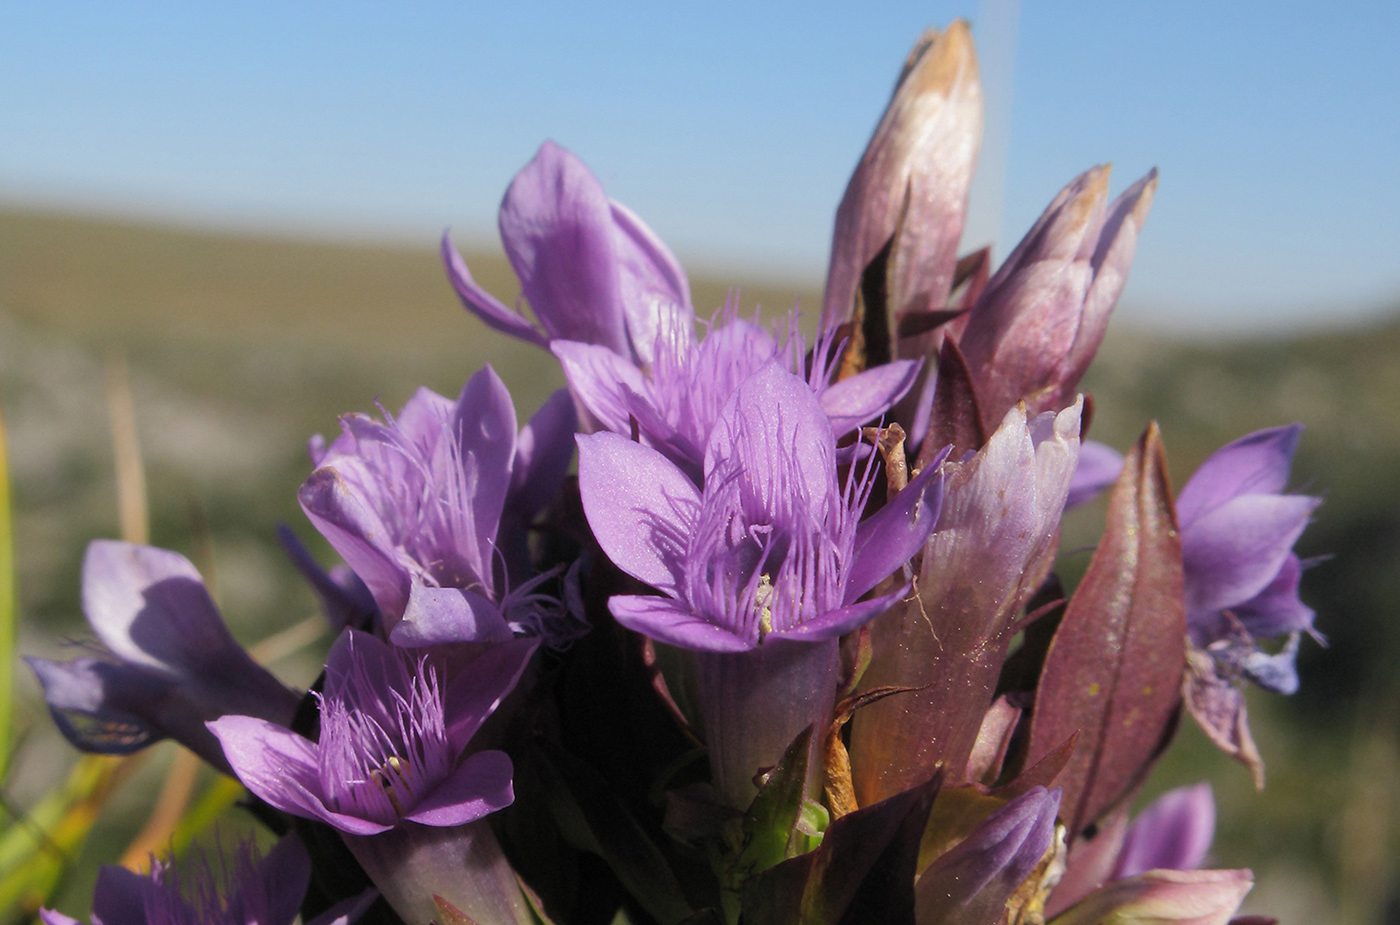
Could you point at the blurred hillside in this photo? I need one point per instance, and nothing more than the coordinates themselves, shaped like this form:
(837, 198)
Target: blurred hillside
(239, 348)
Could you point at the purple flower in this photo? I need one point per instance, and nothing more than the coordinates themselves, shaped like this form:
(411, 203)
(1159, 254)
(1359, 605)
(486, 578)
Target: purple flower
(675, 401)
(761, 570)
(1173, 833)
(591, 270)
(971, 882)
(771, 547)
(421, 506)
(250, 891)
(393, 741)
(1241, 575)
(169, 665)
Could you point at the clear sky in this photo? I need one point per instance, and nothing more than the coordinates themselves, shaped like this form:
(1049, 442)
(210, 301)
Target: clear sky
(731, 127)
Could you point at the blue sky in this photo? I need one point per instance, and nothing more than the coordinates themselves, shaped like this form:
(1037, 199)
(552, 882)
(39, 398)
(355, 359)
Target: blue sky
(732, 127)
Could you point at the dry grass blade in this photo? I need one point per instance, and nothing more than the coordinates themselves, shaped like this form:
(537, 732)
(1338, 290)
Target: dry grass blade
(126, 447)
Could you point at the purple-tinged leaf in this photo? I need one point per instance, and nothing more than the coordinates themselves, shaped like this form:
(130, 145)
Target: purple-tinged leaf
(1114, 670)
(954, 419)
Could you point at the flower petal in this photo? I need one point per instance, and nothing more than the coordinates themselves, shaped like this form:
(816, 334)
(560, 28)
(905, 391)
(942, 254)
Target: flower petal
(349, 525)
(650, 277)
(1237, 549)
(602, 380)
(1163, 897)
(774, 416)
(1256, 464)
(839, 622)
(150, 607)
(971, 882)
(892, 535)
(557, 229)
(1098, 468)
(483, 427)
(867, 395)
(98, 706)
(482, 303)
(476, 691)
(441, 615)
(671, 622)
(543, 451)
(1277, 609)
(280, 767)
(481, 785)
(640, 507)
(1174, 833)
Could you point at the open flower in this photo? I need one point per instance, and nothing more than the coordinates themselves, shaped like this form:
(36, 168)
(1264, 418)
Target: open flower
(421, 505)
(248, 891)
(169, 666)
(770, 547)
(592, 270)
(675, 401)
(1241, 575)
(393, 741)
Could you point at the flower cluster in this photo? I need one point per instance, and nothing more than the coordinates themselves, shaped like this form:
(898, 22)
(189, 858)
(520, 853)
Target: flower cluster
(791, 646)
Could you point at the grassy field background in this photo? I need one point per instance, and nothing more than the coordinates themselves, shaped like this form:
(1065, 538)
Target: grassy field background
(238, 348)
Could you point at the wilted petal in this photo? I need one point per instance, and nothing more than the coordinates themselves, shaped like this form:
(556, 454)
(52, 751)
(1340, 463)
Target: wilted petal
(995, 535)
(1112, 259)
(1174, 833)
(640, 507)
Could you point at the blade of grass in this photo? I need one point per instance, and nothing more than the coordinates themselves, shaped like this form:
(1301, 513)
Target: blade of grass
(126, 447)
(165, 816)
(7, 605)
(217, 799)
(35, 853)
